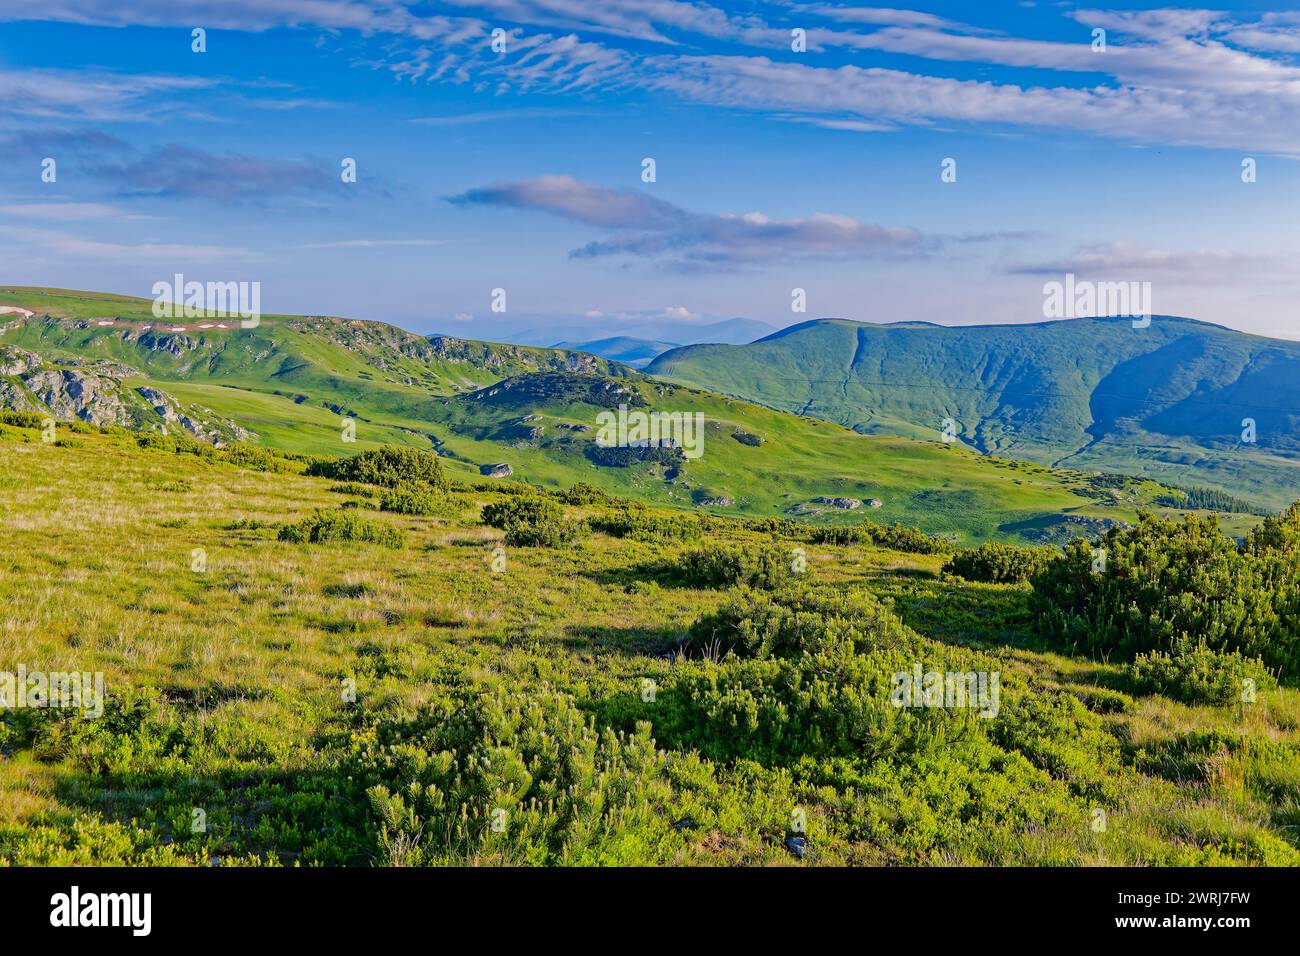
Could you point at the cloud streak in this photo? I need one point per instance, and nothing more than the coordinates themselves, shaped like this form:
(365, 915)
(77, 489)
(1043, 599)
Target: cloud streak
(658, 231)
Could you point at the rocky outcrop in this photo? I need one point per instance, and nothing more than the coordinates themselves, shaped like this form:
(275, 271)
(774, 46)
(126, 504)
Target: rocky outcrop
(69, 393)
(497, 471)
(16, 361)
(849, 504)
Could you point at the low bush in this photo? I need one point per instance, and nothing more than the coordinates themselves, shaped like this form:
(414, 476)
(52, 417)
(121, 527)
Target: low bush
(721, 566)
(388, 467)
(777, 527)
(415, 500)
(1194, 674)
(327, 526)
(839, 534)
(1164, 582)
(582, 493)
(641, 524)
(1000, 563)
(22, 419)
(532, 522)
(896, 537)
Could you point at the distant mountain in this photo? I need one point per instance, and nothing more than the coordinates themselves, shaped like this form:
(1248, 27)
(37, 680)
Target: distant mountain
(728, 331)
(1176, 400)
(621, 348)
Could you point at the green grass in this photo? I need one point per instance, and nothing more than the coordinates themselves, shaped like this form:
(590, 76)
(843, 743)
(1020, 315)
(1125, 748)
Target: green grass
(525, 689)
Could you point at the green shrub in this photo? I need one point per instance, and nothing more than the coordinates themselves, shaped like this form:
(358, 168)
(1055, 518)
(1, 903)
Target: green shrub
(793, 622)
(325, 526)
(572, 794)
(839, 534)
(532, 522)
(618, 456)
(1194, 674)
(777, 527)
(721, 566)
(581, 493)
(22, 419)
(389, 466)
(912, 540)
(1000, 563)
(1167, 582)
(414, 500)
(641, 524)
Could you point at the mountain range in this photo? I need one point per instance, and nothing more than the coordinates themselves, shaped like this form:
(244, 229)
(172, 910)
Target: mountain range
(1178, 400)
(331, 386)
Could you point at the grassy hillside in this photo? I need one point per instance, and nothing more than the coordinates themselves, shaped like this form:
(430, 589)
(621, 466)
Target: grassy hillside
(292, 381)
(1167, 401)
(351, 703)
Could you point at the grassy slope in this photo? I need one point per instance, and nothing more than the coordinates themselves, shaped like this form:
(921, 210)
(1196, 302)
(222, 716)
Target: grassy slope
(241, 713)
(1166, 401)
(291, 379)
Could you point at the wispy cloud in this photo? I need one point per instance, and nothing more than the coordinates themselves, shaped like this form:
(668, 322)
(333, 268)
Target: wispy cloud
(62, 211)
(653, 229)
(1123, 260)
(375, 243)
(61, 244)
(1175, 76)
(184, 171)
(92, 96)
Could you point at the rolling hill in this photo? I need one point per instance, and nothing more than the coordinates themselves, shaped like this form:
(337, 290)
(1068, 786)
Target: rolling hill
(296, 382)
(1172, 401)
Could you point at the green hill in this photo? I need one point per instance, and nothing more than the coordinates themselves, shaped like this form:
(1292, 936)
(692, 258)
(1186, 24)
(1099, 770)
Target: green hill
(296, 383)
(1167, 401)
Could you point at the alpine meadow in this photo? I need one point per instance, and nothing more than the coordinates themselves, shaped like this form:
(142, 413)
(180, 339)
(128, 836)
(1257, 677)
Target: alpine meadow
(679, 433)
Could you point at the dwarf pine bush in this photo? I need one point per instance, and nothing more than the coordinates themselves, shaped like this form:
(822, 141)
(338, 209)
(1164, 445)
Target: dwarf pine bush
(411, 499)
(582, 493)
(21, 419)
(723, 566)
(1165, 581)
(1194, 674)
(999, 563)
(388, 466)
(342, 525)
(532, 521)
(641, 524)
(896, 537)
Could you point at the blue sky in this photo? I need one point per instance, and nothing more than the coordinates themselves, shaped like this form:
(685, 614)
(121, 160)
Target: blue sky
(775, 169)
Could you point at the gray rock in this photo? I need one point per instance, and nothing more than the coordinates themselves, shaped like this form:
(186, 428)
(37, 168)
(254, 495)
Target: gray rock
(497, 471)
(847, 503)
(16, 361)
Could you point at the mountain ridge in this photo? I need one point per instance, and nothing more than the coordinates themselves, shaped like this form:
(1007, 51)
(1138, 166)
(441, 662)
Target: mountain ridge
(1179, 400)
